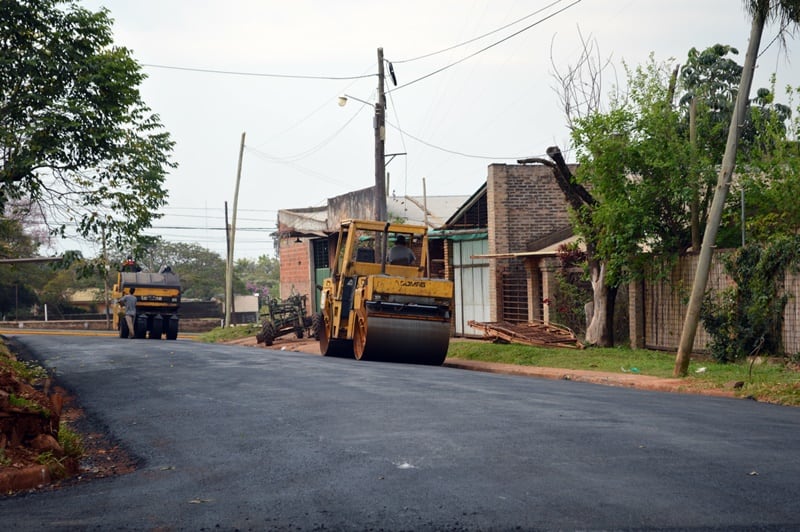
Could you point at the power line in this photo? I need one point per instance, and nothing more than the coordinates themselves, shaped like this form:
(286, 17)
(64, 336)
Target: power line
(485, 48)
(454, 152)
(365, 76)
(196, 228)
(256, 74)
(479, 37)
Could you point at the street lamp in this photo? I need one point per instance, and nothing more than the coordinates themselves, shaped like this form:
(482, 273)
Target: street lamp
(379, 124)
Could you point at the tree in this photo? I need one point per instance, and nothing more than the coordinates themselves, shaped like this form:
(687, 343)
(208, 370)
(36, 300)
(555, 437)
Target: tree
(76, 138)
(773, 177)
(261, 276)
(18, 282)
(786, 11)
(202, 272)
(624, 196)
(583, 206)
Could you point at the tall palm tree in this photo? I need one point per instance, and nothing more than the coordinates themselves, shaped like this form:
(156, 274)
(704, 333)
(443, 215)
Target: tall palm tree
(787, 12)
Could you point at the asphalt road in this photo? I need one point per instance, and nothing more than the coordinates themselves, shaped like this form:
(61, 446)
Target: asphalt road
(253, 439)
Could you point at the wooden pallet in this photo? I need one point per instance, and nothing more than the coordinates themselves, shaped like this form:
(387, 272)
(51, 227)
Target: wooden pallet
(537, 333)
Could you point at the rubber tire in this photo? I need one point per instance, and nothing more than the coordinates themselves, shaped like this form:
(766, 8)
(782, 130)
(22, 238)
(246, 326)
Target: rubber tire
(172, 328)
(140, 327)
(268, 333)
(155, 327)
(123, 328)
(317, 325)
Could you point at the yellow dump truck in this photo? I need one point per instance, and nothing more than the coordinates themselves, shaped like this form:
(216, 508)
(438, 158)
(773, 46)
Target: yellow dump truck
(374, 310)
(158, 297)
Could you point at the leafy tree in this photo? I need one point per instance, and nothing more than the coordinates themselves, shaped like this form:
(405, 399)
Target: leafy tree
(772, 180)
(75, 135)
(202, 272)
(18, 282)
(747, 317)
(643, 181)
(261, 276)
(624, 196)
(62, 283)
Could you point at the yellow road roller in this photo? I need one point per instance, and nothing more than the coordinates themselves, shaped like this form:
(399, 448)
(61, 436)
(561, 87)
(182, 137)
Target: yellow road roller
(381, 303)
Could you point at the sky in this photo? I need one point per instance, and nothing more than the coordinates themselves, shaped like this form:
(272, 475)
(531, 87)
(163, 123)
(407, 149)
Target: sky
(274, 69)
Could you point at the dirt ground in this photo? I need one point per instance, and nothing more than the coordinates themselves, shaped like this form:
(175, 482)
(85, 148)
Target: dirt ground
(284, 343)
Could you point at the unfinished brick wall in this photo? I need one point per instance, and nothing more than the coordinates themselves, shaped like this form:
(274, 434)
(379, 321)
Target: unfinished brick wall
(296, 272)
(524, 203)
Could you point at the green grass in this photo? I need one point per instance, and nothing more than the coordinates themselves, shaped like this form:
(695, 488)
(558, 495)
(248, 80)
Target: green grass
(27, 404)
(771, 381)
(225, 334)
(71, 441)
(29, 371)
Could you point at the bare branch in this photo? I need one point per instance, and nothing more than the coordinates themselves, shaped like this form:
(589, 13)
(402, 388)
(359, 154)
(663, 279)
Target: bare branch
(579, 86)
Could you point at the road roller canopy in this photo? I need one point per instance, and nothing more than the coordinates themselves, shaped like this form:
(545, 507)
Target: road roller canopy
(366, 244)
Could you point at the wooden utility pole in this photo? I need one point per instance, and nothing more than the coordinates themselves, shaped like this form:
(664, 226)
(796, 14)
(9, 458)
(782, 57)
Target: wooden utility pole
(380, 139)
(231, 238)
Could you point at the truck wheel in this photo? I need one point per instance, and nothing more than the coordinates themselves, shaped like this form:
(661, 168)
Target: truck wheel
(317, 325)
(156, 327)
(140, 327)
(172, 328)
(123, 328)
(268, 333)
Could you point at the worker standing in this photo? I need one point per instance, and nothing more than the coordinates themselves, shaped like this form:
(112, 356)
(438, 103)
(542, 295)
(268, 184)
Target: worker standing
(129, 302)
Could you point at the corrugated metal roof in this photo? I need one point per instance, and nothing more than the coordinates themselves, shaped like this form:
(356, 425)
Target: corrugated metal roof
(412, 208)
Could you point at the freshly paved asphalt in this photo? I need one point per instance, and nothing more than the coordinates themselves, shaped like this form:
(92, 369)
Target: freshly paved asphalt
(239, 438)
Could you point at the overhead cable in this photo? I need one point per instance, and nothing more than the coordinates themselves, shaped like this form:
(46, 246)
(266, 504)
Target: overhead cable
(462, 154)
(485, 48)
(479, 37)
(257, 74)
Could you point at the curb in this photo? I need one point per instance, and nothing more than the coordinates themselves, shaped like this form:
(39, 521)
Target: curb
(642, 382)
(23, 479)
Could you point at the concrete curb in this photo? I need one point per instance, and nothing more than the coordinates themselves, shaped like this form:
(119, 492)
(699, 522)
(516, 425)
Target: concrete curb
(629, 380)
(27, 478)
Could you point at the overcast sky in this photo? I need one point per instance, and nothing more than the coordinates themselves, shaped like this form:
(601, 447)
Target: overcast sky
(302, 148)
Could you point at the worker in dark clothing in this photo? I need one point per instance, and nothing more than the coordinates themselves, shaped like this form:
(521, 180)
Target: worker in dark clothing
(130, 265)
(401, 253)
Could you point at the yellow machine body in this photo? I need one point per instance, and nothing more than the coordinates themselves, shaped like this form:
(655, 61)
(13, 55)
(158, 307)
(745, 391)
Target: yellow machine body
(374, 310)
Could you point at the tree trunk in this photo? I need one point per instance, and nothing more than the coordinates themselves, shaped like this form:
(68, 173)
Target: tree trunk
(600, 328)
(600, 331)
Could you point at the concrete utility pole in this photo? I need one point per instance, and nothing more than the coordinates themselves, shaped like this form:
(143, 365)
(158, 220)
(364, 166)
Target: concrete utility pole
(231, 237)
(692, 318)
(380, 139)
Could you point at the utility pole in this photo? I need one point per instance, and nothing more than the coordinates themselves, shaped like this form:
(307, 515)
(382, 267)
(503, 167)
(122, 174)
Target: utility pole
(692, 318)
(380, 139)
(231, 238)
(105, 279)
